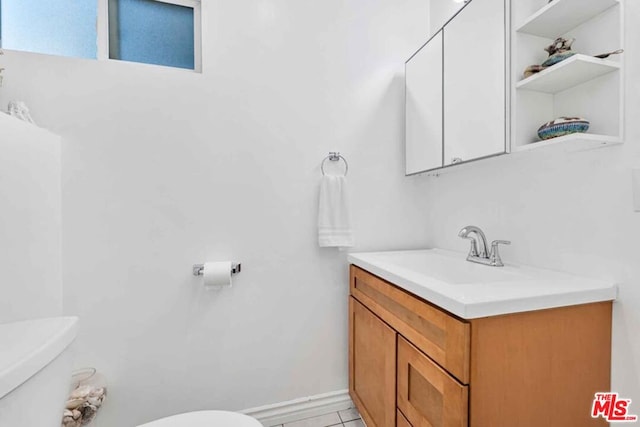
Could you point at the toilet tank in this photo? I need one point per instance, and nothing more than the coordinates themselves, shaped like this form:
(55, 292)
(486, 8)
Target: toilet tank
(35, 370)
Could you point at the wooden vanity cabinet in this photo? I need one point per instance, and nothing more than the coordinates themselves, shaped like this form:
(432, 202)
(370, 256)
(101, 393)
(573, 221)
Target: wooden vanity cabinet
(414, 364)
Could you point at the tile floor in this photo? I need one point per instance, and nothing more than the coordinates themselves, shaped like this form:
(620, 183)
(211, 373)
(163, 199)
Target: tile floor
(346, 418)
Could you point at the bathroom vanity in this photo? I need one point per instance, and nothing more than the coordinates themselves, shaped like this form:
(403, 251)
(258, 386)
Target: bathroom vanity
(437, 341)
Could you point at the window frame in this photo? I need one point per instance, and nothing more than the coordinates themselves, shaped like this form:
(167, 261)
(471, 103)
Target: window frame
(103, 32)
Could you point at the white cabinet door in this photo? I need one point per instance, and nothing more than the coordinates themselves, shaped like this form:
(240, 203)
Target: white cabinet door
(423, 102)
(474, 82)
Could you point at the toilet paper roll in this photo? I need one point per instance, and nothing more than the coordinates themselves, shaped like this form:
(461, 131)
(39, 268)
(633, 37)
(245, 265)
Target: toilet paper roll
(217, 275)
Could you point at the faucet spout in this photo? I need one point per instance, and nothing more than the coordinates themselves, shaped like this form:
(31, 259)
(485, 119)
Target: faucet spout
(482, 243)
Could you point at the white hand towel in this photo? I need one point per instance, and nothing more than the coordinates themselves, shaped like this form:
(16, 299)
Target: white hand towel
(334, 225)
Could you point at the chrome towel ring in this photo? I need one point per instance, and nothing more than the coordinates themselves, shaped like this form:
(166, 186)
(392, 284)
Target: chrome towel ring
(335, 156)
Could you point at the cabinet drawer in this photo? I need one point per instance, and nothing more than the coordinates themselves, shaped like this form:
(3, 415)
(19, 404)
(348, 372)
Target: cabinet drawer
(438, 334)
(401, 421)
(427, 395)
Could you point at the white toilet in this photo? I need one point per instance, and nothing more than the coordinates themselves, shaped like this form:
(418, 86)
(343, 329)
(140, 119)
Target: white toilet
(35, 366)
(205, 419)
(35, 370)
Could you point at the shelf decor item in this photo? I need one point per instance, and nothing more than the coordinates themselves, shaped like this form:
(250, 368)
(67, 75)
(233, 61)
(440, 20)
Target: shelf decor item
(533, 69)
(558, 51)
(86, 398)
(19, 109)
(587, 78)
(563, 126)
(608, 54)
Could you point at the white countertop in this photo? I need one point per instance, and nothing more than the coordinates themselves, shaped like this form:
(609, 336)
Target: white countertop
(471, 290)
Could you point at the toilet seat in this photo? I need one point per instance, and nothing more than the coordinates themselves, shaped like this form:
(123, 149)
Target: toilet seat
(205, 419)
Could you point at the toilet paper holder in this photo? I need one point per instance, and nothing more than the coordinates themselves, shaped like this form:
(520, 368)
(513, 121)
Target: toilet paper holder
(198, 269)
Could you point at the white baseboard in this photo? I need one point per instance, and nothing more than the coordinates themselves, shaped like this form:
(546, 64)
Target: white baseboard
(298, 409)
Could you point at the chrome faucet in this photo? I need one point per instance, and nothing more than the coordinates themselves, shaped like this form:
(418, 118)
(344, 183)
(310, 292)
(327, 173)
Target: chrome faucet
(482, 256)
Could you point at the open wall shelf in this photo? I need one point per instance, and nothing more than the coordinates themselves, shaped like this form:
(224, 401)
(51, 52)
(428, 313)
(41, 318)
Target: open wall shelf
(569, 73)
(573, 142)
(580, 86)
(560, 16)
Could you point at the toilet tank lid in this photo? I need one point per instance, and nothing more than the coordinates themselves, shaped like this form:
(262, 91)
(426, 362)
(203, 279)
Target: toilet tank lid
(205, 419)
(28, 346)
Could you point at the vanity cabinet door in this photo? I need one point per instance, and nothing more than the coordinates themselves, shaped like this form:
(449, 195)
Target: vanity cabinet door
(423, 104)
(401, 421)
(427, 395)
(372, 366)
(474, 82)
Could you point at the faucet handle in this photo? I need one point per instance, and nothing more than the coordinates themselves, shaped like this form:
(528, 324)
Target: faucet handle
(494, 258)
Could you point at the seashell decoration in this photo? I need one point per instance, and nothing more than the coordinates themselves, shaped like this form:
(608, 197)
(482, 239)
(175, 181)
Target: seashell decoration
(20, 110)
(85, 400)
(71, 418)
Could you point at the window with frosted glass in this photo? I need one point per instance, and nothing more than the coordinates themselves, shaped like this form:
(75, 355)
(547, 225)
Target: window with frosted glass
(56, 27)
(152, 32)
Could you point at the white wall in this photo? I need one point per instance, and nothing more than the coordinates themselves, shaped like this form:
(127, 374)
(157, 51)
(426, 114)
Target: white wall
(165, 168)
(30, 247)
(565, 211)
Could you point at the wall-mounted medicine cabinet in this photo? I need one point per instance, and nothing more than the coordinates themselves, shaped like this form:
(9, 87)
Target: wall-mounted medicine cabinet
(456, 91)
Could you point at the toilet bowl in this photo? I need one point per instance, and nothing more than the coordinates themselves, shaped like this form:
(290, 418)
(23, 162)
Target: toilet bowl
(205, 419)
